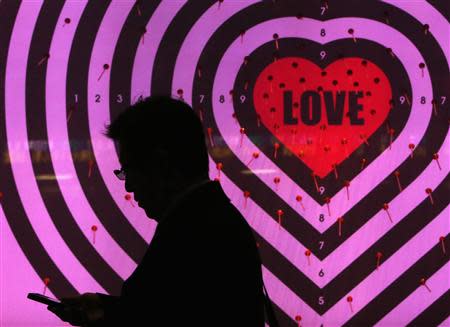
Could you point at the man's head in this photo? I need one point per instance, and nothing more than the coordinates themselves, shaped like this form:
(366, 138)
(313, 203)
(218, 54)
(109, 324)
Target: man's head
(162, 150)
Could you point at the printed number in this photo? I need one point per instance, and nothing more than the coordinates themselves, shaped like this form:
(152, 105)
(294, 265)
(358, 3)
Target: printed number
(202, 97)
(402, 99)
(76, 98)
(243, 97)
(322, 32)
(422, 100)
(321, 273)
(321, 189)
(321, 300)
(443, 98)
(321, 218)
(323, 10)
(321, 244)
(222, 99)
(97, 98)
(119, 98)
(322, 54)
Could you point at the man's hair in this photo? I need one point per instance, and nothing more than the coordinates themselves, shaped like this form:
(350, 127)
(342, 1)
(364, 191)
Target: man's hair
(162, 122)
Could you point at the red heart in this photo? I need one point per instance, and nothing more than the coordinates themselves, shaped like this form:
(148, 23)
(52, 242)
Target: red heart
(322, 144)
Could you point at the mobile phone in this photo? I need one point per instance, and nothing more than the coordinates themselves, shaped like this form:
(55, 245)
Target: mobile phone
(43, 299)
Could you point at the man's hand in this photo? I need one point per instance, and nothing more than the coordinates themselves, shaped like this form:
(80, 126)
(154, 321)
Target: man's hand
(80, 310)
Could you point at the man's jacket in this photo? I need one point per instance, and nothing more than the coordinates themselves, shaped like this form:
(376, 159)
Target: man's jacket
(202, 268)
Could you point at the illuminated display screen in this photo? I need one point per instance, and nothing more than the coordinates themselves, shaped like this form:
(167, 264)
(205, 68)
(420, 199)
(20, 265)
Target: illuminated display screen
(326, 124)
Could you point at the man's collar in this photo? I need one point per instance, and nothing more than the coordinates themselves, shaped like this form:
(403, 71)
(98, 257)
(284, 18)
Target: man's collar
(180, 196)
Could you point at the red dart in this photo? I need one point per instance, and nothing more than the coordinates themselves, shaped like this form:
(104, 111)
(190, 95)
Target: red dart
(436, 157)
(442, 239)
(44, 58)
(347, 185)
(391, 136)
(128, 198)
(386, 207)
(219, 166)
(246, 85)
(352, 33)
(199, 71)
(209, 129)
(429, 191)
(180, 93)
(378, 256)
(46, 282)
(411, 146)
(242, 33)
(200, 114)
(270, 79)
(364, 138)
(308, 254)
(279, 213)
(138, 8)
(71, 109)
(423, 282)
(386, 17)
(363, 163)
(299, 199)
(397, 177)
(335, 170)
(276, 147)
(315, 181)
(94, 230)
(272, 112)
(220, 2)
(90, 166)
(298, 318)
(276, 180)
(242, 131)
(350, 300)
(434, 103)
(143, 30)
(391, 52)
(105, 68)
(231, 93)
(255, 155)
(340, 222)
(234, 117)
(246, 196)
(275, 37)
(327, 201)
(246, 60)
(422, 66)
(66, 21)
(426, 28)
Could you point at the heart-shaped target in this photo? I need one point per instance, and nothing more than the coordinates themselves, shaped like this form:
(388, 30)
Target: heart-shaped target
(334, 110)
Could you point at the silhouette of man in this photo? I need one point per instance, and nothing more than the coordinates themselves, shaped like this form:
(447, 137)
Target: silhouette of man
(202, 267)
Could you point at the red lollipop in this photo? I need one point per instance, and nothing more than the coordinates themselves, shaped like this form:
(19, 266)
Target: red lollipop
(94, 230)
(350, 300)
(255, 155)
(46, 282)
(386, 208)
(308, 254)
(279, 214)
(299, 198)
(105, 68)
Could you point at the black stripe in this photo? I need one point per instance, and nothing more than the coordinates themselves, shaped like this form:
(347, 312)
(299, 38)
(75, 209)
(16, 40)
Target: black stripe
(11, 201)
(435, 314)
